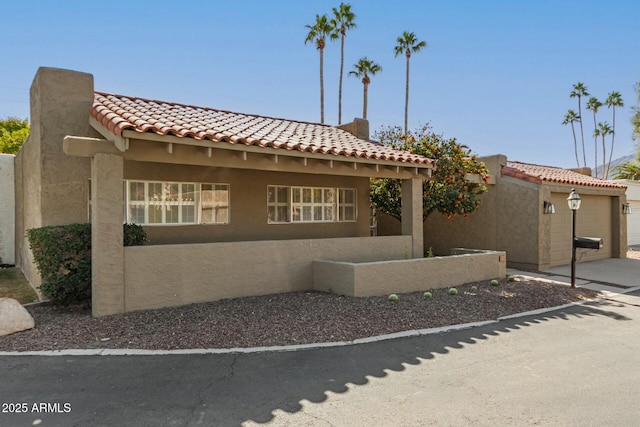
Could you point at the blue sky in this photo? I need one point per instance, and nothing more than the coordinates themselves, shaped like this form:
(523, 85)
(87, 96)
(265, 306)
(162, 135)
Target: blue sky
(496, 74)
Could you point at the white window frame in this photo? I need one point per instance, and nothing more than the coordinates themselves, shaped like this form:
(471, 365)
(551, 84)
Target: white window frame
(323, 204)
(165, 202)
(343, 204)
(317, 200)
(276, 203)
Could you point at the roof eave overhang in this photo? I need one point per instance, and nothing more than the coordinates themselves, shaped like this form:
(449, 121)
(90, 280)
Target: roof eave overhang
(225, 154)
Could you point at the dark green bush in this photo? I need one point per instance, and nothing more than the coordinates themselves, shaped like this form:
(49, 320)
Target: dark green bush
(134, 235)
(63, 256)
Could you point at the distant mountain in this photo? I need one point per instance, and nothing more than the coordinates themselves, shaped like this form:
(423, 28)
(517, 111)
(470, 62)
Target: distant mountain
(614, 163)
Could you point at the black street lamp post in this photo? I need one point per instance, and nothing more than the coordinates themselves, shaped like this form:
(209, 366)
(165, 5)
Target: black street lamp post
(574, 204)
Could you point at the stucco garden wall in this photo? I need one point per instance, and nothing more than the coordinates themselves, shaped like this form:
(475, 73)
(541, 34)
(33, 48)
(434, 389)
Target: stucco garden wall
(361, 279)
(7, 207)
(171, 275)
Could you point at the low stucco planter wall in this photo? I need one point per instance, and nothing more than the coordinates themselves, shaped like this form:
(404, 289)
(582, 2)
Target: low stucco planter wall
(361, 279)
(171, 275)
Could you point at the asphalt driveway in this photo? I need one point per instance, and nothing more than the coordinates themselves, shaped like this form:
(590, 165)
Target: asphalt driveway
(621, 271)
(574, 366)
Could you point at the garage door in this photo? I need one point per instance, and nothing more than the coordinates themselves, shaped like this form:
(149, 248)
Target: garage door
(633, 223)
(593, 219)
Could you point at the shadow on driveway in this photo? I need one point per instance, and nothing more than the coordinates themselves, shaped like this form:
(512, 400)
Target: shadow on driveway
(231, 389)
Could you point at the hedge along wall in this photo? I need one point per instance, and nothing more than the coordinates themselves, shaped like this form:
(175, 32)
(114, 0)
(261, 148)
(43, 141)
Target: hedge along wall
(63, 256)
(7, 210)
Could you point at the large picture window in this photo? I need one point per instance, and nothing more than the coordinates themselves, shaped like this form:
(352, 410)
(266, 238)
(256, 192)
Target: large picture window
(310, 204)
(158, 203)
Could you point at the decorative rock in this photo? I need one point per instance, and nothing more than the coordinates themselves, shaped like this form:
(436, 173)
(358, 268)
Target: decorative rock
(14, 317)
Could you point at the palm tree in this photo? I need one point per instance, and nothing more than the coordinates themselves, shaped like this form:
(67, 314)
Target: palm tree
(593, 104)
(635, 118)
(628, 170)
(342, 21)
(613, 100)
(570, 118)
(407, 44)
(580, 90)
(603, 130)
(365, 68)
(318, 32)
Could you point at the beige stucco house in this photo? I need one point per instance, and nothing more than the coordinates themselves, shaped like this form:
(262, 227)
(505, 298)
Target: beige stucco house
(234, 204)
(512, 216)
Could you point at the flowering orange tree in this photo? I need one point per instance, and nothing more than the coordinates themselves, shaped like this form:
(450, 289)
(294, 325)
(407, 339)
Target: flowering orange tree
(457, 182)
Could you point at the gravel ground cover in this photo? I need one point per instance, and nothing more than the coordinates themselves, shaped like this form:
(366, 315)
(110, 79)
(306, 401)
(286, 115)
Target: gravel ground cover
(283, 319)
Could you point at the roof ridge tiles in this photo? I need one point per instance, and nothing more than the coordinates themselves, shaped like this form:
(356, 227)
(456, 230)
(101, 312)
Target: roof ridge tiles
(133, 98)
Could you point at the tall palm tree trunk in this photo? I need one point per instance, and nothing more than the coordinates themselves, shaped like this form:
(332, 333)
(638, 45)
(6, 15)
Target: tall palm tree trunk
(613, 135)
(595, 137)
(575, 144)
(584, 153)
(364, 104)
(406, 100)
(604, 157)
(340, 86)
(322, 86)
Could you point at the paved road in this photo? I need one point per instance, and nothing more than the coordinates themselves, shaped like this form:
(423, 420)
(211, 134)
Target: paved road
(577, 366)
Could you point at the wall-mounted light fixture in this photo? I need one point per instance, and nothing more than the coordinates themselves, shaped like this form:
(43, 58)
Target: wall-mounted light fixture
(626, 209)
(549, 208)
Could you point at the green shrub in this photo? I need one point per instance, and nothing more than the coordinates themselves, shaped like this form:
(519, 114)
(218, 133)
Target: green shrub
(63, 256)
(512, 278)
(393, 297)
(494, 282)
(134, 235)
(453, 291)
(427, 295)
(474, 288)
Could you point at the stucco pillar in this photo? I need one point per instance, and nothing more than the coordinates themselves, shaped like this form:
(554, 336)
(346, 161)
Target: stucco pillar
(619, 227)
(107, 254)
(412, 214)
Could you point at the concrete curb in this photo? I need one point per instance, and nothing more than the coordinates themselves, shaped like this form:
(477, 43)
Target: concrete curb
(287, 348)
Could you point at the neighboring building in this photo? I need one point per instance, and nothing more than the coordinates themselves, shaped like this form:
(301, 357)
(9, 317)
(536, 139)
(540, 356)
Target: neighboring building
(633, 220)
(7, 200)
(234, 204)
(512, 217)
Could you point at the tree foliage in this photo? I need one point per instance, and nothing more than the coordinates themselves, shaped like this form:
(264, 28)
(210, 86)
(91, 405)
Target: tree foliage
(631, 169)
(579, 91)
(318, 33)
(365, 68)
(613, 101)
(635, 119)
(628, 170)
(343, 20)
(13, 133)
(451, 191)
(407, 44)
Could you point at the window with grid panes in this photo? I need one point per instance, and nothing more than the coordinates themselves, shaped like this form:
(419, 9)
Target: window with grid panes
(310, 204)
(157, 203)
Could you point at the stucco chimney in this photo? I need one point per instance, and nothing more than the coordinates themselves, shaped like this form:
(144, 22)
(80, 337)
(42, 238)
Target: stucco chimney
(51, 188)
(358, 127)
(60, 102)
(583, 171)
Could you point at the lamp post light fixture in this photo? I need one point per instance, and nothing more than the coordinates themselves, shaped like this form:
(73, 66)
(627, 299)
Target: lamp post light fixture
(574, 204)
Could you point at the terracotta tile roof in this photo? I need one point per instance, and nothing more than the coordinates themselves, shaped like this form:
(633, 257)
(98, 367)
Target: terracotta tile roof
(119, 113)
(537, 174)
